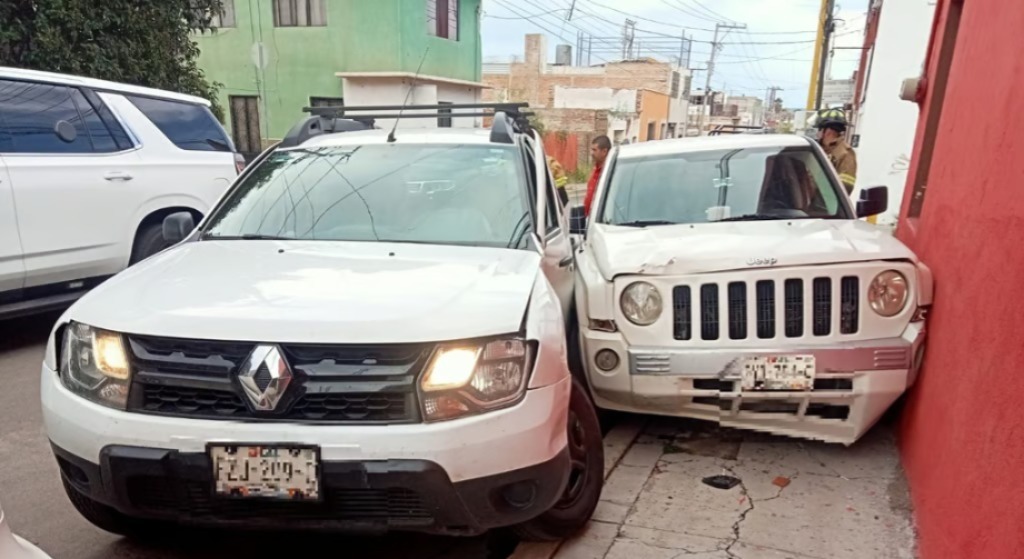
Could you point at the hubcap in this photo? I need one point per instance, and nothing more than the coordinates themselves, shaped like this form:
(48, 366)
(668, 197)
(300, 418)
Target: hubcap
(578, 463)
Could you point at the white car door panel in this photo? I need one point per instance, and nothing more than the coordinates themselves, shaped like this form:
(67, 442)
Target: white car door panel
(12, 267)
(69, 184)
(558, 263)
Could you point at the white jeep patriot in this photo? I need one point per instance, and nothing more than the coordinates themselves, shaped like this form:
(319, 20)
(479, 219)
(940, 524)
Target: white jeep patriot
(729, 279)
(366, 333)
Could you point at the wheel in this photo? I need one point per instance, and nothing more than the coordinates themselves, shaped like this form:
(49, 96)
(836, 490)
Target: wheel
(106, 518)
(148, 242)
(586, 475)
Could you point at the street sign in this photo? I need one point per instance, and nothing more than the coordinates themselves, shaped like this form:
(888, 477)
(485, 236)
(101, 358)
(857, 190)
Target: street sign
(837, 92)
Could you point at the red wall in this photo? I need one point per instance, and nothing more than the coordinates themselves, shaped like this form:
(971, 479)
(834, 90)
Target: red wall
(564, 147)
(962, 432)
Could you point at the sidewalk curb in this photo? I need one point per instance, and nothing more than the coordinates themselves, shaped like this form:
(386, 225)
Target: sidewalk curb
(616, 443)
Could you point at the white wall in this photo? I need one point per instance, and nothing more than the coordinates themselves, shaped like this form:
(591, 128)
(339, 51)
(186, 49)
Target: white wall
(887, 124)
(596, 98)
(393, 91)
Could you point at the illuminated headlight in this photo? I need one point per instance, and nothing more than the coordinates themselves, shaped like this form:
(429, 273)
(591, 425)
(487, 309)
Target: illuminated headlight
(94, 365)
(469, 379)
(641, 303)
(888, 293)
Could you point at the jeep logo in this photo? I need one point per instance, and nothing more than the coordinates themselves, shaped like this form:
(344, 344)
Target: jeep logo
(762, 261)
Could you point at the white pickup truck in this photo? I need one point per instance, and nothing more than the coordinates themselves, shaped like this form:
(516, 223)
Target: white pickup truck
(729, 279)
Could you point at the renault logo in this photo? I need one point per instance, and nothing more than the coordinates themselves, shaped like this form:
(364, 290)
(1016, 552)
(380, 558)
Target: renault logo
(265, 377)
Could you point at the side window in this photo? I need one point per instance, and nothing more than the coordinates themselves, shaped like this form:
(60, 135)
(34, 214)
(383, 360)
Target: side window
(190, 126)
(30, 112)
(102, 139)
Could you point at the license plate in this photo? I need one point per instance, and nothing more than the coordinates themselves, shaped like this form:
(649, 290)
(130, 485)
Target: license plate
(784, 372)
(269, 472)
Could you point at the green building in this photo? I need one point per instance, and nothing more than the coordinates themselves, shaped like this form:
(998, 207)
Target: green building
(274, 57)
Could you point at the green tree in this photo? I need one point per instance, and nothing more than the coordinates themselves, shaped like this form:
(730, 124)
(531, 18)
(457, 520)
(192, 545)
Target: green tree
(142, 42)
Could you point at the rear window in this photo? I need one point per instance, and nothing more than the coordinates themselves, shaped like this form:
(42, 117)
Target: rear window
(190, 126)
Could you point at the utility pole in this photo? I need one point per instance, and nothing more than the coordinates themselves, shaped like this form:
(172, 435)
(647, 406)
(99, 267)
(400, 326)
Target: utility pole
(628, 34)
(572, 9)
(825, 30)
(715, 45)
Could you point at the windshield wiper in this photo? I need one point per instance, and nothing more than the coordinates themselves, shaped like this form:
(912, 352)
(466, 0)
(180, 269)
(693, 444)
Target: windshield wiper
(248, 237)
(645, 223)
(752, 217)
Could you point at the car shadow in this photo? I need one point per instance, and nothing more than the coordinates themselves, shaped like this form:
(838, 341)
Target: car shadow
(252, 545)
(18, 333)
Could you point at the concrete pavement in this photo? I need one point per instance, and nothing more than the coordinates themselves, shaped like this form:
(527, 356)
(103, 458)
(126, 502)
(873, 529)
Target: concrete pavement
(796, 499)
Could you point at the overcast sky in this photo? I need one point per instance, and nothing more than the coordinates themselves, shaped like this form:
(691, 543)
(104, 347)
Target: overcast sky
(743, 66)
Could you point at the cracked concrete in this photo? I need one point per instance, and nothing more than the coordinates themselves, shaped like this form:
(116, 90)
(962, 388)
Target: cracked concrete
(829, 501)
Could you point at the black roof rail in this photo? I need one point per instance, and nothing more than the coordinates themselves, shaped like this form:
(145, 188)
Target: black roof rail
(733, 129)
(509, 118)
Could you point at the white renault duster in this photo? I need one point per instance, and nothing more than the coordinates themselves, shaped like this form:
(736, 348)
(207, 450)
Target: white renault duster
(729, 279)
(366, 333)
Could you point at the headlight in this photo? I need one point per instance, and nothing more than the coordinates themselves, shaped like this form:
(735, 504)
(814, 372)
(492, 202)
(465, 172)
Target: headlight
(641, 303)
(94, 365)
(888, 292)
(467, 379)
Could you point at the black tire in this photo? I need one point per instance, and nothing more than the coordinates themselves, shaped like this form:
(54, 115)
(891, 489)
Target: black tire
(149, 241)
(586, 478)
(106, 518)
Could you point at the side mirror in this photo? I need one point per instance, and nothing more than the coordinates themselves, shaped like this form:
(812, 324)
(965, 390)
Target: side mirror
(577, 220)
(177, 226)
(873, 201)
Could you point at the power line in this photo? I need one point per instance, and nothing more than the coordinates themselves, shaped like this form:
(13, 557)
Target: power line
(713, 13)
(654, 21)
(688, 11)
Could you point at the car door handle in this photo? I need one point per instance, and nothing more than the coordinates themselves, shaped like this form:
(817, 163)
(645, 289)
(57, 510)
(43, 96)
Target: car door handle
(566, 262)
(117, 176)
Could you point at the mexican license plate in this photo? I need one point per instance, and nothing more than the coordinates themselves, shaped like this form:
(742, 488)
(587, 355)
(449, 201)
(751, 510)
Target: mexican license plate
(269, 472)
(784, 372)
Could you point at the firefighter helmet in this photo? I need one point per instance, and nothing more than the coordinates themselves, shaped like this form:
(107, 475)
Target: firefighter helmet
(832, 118)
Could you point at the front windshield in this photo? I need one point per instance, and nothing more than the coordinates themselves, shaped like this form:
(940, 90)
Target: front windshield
(722, 185)
(437, 194)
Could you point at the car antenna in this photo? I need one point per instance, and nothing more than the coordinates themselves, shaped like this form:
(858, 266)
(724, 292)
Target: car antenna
(391, 135)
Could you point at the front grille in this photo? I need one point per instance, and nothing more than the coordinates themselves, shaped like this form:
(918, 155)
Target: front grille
(709, 311)
(766, 309)
(682, 322)
(850, 305)
(737, 310)
(822, 306)
(780, 309)
(194, 498)
(331, 384)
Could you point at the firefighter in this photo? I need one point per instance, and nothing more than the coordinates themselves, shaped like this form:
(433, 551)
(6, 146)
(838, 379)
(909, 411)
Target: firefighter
(831, 126)
(561, 179)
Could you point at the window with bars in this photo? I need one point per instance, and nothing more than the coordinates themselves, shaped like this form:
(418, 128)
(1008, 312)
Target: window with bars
(226, 17)
(300, 13)
(443, 18)
(444, 122)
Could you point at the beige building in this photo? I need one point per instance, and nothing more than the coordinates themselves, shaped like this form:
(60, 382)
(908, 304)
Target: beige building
(633, 100)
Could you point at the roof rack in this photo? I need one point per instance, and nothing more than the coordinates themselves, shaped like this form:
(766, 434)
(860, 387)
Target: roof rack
(735, 129)
(509, 119)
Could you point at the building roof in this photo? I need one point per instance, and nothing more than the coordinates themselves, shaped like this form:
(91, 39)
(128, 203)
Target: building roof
(710, 143)
(411, 75)
(104, 85)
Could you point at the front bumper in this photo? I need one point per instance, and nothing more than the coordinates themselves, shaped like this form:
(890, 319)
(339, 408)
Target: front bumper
(358, 496)
(854, 385)
(456, 468)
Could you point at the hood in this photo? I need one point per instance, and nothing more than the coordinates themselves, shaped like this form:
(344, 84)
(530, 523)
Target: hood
(716, 247)
(317, 292)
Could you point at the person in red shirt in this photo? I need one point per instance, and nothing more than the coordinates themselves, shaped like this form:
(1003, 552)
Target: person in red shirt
(599, 149)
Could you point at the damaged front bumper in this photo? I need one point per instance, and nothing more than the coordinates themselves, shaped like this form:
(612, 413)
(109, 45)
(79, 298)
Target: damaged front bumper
(854, 384)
